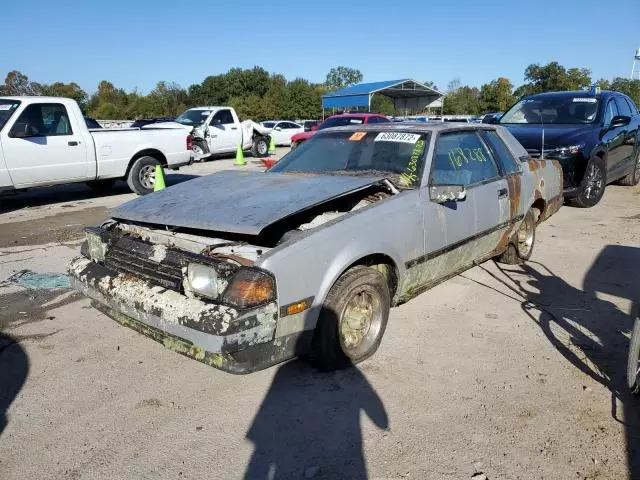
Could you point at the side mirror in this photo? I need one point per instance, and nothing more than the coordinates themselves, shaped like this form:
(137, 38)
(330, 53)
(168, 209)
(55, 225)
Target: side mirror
(620, 121)
(447, 193)
(216, 121)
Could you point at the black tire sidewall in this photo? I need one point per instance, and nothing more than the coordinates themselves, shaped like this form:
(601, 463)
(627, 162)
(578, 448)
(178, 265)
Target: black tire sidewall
(326, 349)
(133, 179)
(522, 257)
(256, 146)
(633, 356)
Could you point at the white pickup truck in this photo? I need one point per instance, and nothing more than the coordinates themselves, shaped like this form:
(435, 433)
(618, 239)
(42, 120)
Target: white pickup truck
(45, 141)
(218, 130)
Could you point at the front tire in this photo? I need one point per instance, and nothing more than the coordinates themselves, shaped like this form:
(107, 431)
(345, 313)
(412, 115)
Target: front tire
(352, 321)
(634, 177)
(521, 246)
(633, 360)
(200, 150)
(260, 146)
(142, 175)
(592, 185)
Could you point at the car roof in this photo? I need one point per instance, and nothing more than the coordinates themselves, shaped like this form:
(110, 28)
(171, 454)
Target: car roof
(575, 93)
(357, 115)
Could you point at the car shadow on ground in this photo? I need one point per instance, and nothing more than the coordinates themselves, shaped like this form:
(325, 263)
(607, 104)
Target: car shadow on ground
(73, 192)
(309, 424)
(14, 367)
(591, 332)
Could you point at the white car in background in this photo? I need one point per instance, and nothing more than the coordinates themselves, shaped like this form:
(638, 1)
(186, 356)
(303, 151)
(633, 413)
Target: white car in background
(282, 130)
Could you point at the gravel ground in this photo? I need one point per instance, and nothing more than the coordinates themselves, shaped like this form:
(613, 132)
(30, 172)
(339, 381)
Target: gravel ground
(514, 372)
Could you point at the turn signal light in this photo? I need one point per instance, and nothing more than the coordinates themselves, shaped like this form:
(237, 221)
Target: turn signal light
(250, 288)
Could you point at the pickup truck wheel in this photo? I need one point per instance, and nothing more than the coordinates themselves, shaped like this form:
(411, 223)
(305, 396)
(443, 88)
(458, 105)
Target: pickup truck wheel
(199, 149)
(102, 186)
(634, 177)
(352, 321)
(260, 147)
(593, 184)
(520, 248)
(142, 175)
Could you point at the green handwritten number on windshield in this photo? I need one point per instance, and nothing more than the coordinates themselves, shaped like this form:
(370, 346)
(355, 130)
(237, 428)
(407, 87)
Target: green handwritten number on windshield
(410, 176)
(458, 156)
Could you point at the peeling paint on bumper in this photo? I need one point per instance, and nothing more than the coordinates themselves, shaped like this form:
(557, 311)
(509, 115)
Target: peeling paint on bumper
(220, 336)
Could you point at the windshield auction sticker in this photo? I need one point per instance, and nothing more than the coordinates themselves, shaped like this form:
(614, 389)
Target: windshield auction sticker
(397, 137)
(6, 106)
(357, 136)
(585, 100)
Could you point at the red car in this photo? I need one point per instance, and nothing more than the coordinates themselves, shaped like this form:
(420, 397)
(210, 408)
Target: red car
(339, 121)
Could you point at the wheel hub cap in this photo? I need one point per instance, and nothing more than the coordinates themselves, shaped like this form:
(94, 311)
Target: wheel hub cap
(593, 184)
(525, 236)
(147, 176)
(356, 319)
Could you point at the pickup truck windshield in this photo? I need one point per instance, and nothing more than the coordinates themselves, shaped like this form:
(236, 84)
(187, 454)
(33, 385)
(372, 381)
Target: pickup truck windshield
(7, 107)
(399, 156)
(193, 117)
(570, 109)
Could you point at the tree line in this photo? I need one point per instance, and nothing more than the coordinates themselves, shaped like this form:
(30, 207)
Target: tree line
(257, 94)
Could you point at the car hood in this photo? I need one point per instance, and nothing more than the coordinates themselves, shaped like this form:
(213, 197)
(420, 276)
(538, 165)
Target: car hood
(530, 136)
(237, 202)
(302, 136)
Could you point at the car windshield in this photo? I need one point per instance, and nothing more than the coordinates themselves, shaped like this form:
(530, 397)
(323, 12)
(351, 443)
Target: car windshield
(268, 124)
(397, 155)
(7, 107)
(565, 109)
(341, 122)
(193, 117)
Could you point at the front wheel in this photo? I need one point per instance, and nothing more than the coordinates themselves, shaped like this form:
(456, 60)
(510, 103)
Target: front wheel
(633, 360)
(593, 184)
(520, 248)
(200, 150)
(260, 146)
(352, 320)
(142, 175)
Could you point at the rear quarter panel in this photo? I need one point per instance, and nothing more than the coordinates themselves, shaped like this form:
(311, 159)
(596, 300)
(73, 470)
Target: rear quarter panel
(542, 185)
(115, 148)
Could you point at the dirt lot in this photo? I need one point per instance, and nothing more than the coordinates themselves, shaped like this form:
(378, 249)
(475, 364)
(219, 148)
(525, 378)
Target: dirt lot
(515, 372)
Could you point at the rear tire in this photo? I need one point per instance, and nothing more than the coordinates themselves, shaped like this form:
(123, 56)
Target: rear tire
(634, 177)
(102, 186)
(592, 185)
(520, 247)
(352, 320)
(142, 175)
(260, 146)
(633, 360)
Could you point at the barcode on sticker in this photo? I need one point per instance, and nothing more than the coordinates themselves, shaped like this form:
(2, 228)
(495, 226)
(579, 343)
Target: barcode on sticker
(397, 137)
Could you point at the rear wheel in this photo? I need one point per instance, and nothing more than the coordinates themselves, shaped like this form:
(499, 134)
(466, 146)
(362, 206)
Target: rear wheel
(260, 146)
(634, 177)
(142, 175)
(633, 361)
(352, 321)
(520, 248)
(593, 184)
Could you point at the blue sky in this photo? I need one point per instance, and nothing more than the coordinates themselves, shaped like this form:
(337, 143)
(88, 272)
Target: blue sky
(137, 43)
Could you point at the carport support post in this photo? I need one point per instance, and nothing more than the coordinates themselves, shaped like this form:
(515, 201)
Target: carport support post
(369, 110)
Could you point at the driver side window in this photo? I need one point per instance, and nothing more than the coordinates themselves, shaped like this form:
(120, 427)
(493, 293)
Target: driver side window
(224, 116)
(610, 112)
(461, 158)
(42, 120)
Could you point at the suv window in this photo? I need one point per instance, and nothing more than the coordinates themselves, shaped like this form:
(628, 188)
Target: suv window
(287, 125)
(501, 151)
(224, 116)
(632, 106)
(42, 120)
(462, 158)
(610, 112)
(623, 107)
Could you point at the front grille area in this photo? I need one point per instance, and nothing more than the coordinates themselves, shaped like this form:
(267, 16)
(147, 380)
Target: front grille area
(156, 264)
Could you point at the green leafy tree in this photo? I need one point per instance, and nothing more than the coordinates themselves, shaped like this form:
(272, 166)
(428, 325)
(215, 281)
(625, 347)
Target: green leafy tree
(461, 99)
(68, 90)
(382, 104)
(341, 77)
(553, 77)
(496, 96)
(628, 87)
(16, 83)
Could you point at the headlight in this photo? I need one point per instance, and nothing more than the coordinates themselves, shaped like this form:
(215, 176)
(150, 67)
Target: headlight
(567, 151)
(249, 287)
(97, 248)
(202, 280)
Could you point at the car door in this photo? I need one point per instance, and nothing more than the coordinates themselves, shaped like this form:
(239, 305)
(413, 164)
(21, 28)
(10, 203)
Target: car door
(613, 138)
(41, 147)
(280, 134)
(628, 132)
(458, 233)
(224, 134)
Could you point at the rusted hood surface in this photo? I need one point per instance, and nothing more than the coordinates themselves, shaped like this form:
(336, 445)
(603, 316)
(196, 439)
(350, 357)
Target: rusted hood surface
(237, 202)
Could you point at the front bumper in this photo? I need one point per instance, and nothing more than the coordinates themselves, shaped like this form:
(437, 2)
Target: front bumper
(220, 336)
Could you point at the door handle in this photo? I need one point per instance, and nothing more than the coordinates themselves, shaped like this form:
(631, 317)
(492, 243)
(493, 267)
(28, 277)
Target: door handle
(234, 128)
(73, 143)
(503, 193)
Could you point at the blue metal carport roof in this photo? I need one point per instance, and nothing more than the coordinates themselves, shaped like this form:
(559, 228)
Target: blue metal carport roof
(405, 93)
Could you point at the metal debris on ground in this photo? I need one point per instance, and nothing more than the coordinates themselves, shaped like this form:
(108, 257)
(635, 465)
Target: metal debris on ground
(40, 281)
